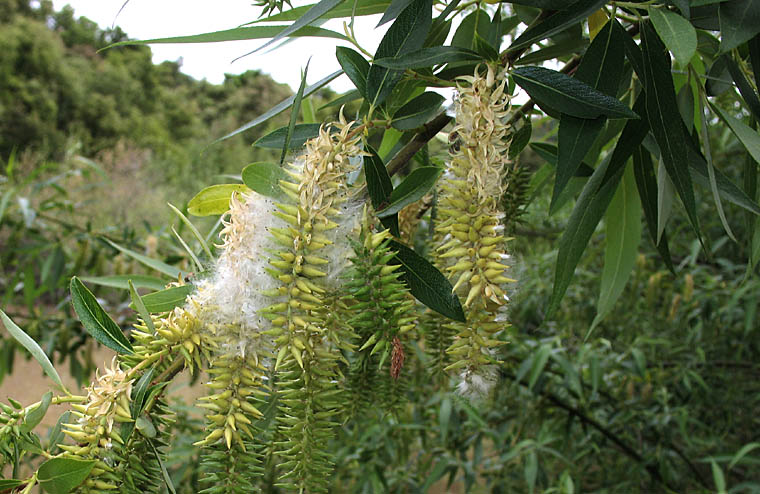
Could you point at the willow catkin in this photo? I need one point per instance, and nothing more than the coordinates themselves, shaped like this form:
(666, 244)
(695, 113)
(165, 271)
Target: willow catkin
(471, 245)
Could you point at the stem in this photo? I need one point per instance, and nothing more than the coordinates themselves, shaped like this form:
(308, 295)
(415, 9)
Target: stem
(653, 471)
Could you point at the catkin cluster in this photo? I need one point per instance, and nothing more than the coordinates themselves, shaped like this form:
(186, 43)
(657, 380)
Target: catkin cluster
(471, 245)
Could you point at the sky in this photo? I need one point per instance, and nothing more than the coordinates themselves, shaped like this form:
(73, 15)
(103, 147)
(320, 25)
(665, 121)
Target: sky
(147, 19)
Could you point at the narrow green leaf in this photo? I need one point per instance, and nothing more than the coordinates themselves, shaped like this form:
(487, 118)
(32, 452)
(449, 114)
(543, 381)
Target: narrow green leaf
(159, 266)
(676, 32)
(141, 393)
(591, 205)
(214, 200)
(412, 189)
(301, 133)
(602, 69)
(294, 113)
(36, 414)
(193, 229)
(239, 33)
(32, 347)
(164, 473)
(311, 15)
(711, 171)
(418, 111)
(718, 478)
(744, 451)
(728, 190)
(444, 417)
(347, 9)
(665, 120)
(122, 281)
(355, 66)
(520, 139)
(646, 182)
(622, 244)
(427, 284)
(569, 95)
(749, 137)
(380, 187)
(56, 436)
(9, 484)
(540, 358)
(166, 300)
(549, 153)
(141, 309)
(281, 106)
(739, 22)
(552, 52)
(350, 96)
(406, 34)
(572, 14)
(665, 198)
(475, 23)
(393, 11)
(95, 320)
(264, 178)
(427, 57)
(61, 475)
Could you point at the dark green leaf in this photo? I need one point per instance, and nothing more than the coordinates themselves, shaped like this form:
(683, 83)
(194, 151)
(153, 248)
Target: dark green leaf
(407, 34)
(476, 22)
(739, 22)
(138, 303)
(569, 95)
(159, 266)
(281, 106)
(311, 15)
(592, 204)
(9, 484)
(439, 32)
(754, 57)
(61, 475)
(347, 9)
(749, 137)
(601, 68)
(745, 88)
(355, 66)
(301, 134)
(413, 188)
(141, 393)
(558, 22)
(427, 57)
(264, 178)
(294, 114)
(623, 235)
(32, 347)
(239, 33)
(166, 300)
(718, 78)
(520, 139)
(727, 189)
(676, 32)
(380, 187)
(393, 11)
(646, 182)
(350, 96)
(95, 320)
(212, 200)
(557, 50)
(36, 414)
(427, 284)
(549, 153)
(665, 121)
(164, 473)
(417, 111)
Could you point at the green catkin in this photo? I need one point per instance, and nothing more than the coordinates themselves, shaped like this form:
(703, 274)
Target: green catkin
(307, 337)
(381, 313)
(468, 229)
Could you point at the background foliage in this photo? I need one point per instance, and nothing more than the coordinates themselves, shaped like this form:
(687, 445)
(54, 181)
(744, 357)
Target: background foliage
(641, 379)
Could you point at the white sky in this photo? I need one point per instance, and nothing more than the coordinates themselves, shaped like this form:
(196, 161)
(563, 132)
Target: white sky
(147, 19)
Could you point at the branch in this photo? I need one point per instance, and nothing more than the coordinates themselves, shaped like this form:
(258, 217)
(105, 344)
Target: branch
(653, 471)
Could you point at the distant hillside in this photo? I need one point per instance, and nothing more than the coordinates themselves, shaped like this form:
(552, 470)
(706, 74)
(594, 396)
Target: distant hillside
(58, 93)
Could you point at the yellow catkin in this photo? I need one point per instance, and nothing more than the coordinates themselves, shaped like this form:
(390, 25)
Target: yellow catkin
(470, 242)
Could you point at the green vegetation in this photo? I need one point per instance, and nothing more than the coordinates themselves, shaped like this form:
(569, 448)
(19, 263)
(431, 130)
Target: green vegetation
(358, 328)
